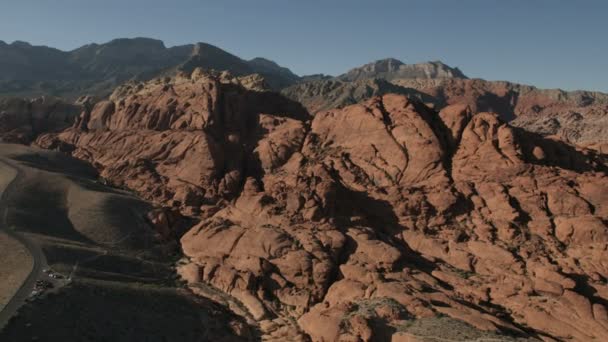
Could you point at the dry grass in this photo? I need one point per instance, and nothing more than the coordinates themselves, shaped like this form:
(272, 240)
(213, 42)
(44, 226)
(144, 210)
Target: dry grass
(446, 329)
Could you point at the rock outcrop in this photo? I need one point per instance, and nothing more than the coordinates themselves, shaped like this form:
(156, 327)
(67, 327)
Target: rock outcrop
(349, 225)
(509, 100)
(22, 120)
(188, 140)
(578, 117)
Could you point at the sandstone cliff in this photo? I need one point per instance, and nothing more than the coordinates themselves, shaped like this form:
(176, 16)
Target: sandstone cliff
(349, 225)
(578, 117)
(22, 120)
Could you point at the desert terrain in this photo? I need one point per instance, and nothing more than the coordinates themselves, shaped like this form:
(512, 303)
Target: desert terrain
(187, 194)
(352, 223)
(92, 243)
(17, 262)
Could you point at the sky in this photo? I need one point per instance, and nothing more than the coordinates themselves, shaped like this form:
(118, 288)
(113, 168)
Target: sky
(546, 43)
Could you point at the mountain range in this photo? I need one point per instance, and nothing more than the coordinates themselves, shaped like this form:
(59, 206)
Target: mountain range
(96, 69)
(394, 202)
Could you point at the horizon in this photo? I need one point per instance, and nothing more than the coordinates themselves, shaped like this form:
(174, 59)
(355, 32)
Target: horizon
(438, 171)
(538, 43)
(303, 75)
(200, 42)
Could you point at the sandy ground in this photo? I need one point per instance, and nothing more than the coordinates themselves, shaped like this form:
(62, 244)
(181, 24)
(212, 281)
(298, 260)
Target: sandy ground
(119, 286)
(15, 266)
(58, 196)
(16, 263)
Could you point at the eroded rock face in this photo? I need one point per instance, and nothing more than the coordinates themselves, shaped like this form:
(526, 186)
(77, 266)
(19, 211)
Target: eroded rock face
(579, 117)
(345, 227)
(186, 141)
(22, 120)
(391, 68)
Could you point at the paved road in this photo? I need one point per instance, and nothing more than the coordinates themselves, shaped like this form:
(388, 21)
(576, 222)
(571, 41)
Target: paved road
(39, 260)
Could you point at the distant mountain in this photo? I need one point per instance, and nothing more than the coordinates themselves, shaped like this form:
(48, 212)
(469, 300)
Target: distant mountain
(323, 94)
(315, 77)
(96, 69)
(277, 76)
(391, 68)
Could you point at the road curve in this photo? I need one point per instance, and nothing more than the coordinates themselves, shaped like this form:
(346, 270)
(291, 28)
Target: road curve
(38, 258)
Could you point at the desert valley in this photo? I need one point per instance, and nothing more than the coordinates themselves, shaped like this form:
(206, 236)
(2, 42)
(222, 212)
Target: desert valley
(187, 194)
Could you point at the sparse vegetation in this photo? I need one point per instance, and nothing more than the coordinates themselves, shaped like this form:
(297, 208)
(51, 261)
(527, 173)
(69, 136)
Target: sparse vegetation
(443, 328)
(367, 307)
(464, 274)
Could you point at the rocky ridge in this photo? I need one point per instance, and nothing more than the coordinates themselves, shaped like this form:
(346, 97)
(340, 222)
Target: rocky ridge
(96, 69)
(578, 117)
(186, 139)
(332, 93)
(349, 225)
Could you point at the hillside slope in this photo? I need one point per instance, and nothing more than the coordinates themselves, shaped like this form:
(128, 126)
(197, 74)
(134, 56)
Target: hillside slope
(99, 273)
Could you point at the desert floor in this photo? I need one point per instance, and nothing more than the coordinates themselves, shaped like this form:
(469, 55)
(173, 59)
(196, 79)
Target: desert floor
(15, 266)
(114, 281)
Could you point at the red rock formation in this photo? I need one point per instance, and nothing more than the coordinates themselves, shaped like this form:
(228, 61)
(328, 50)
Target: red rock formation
(22, 120)
(344, 227)
(187, 140)
(579, 117)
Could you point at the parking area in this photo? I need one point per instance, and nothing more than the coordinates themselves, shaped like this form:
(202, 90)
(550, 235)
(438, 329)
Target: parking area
(49, 281)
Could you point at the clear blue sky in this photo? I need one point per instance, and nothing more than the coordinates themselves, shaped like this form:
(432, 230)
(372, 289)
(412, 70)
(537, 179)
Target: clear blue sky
(547, 43)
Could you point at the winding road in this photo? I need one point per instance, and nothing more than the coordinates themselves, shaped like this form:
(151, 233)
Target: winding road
(39, 260)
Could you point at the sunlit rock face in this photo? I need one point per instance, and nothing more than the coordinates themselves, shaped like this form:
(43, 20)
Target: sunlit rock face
(345, 225)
